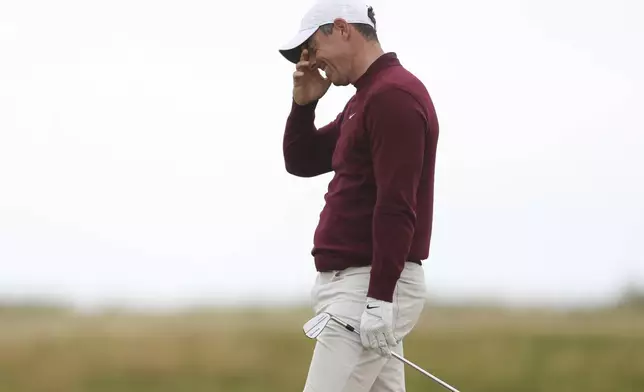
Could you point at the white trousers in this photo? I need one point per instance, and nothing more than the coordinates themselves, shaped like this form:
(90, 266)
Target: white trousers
(340, 363)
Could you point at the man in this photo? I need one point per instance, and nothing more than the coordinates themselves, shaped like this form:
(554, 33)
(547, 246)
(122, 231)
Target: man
(375, 228)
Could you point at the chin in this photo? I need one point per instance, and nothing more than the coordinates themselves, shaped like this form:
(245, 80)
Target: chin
(339, 83)
(337, 80)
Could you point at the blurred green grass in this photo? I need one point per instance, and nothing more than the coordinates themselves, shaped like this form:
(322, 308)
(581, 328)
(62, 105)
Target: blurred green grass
(482, 349)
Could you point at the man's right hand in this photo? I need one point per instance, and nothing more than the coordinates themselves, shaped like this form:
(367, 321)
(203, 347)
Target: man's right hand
(308, 84)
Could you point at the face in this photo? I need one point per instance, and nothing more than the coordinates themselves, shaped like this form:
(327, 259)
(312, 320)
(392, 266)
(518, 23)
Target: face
(332, 53)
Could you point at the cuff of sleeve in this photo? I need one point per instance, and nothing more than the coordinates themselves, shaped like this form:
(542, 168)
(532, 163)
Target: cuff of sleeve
(304, 113)
(308, 107)
(382, 288)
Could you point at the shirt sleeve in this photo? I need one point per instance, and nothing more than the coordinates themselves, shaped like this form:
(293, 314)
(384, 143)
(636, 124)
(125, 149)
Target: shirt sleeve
(397, 129)
(308, 151)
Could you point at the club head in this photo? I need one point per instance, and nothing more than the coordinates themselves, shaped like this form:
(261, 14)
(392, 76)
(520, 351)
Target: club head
(314, 327)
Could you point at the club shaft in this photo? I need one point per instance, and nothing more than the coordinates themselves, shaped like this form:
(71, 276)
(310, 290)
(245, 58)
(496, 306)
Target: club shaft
(401, 358)
(425, 372)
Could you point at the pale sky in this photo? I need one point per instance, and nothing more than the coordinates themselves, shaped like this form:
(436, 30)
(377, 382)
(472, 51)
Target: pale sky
(141, 160)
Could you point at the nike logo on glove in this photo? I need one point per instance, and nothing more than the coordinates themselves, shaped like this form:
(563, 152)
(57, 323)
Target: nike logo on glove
(376, 327)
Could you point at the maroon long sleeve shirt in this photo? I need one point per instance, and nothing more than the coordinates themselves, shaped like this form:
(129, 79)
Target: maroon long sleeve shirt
(382, 148)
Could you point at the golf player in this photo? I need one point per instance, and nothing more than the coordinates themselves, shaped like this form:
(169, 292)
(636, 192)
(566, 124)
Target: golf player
(374, 230)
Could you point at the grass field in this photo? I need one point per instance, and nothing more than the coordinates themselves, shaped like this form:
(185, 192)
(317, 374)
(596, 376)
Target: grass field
(475, 349)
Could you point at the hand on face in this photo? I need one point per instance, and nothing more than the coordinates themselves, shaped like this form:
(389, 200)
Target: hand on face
(308, 84)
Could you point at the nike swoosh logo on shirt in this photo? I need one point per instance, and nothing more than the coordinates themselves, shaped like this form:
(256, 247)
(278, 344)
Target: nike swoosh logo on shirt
(372, 307)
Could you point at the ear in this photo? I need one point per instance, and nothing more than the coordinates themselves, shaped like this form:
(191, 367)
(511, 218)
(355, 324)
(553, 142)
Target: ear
(343, 27)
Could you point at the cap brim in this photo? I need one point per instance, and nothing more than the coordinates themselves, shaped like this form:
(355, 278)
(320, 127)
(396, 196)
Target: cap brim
(292, 50)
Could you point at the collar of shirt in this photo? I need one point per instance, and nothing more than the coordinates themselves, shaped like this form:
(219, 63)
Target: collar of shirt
(385, 61)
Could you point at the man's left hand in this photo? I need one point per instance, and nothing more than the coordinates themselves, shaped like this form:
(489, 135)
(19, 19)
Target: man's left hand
(376, 326)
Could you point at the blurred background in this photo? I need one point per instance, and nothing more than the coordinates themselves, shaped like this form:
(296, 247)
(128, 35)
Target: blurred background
(151, 240)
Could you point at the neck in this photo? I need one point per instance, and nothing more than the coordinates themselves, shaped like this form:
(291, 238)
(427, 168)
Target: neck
(366, 54)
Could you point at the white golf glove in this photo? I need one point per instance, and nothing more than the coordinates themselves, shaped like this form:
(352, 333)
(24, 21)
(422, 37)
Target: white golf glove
(376, 326)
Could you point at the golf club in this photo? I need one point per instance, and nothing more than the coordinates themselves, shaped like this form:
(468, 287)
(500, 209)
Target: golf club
(314, 327)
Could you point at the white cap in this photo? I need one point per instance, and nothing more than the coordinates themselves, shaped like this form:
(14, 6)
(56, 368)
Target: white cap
(324, 12)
